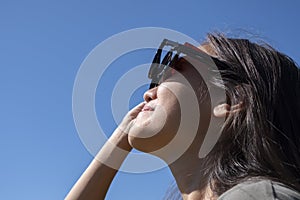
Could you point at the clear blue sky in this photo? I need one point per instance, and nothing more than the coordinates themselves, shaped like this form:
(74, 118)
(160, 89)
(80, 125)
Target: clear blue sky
(42, 45)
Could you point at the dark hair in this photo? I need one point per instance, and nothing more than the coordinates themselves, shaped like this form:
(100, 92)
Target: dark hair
(262, 140)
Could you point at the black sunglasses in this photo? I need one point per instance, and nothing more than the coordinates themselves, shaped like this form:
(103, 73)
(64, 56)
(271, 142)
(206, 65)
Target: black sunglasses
(159, 68)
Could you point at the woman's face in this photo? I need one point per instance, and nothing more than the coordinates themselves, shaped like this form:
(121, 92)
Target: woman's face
(158, 122)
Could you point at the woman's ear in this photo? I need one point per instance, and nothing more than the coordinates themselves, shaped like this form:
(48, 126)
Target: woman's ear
(223, 110)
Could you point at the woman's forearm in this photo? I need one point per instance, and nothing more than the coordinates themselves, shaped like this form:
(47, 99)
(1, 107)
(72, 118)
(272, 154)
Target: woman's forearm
(95, 181)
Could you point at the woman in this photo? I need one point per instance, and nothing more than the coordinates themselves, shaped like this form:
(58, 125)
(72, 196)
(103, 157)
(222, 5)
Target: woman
(257, 155)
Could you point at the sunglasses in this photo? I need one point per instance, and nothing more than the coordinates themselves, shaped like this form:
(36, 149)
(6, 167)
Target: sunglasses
(161, 69)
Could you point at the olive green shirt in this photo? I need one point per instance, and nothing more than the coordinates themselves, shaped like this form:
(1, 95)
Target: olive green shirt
(260, 190)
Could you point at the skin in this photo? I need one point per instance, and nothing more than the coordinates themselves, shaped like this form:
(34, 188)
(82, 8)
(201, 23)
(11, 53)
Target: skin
(151, 126)
(95, 181)
(186, 164)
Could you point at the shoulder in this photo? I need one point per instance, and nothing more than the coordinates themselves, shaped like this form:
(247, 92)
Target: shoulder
(264, 189)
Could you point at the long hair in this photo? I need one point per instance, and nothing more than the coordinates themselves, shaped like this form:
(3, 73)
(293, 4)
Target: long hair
(263, 139)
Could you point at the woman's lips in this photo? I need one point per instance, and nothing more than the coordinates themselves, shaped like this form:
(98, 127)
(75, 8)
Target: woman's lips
(147, 108)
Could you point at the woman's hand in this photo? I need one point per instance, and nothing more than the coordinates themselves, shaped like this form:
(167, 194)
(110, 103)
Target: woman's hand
(95, 181)
(129, 118)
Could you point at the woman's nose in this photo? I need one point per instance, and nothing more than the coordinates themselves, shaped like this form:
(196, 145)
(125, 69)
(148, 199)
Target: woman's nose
(150, 94)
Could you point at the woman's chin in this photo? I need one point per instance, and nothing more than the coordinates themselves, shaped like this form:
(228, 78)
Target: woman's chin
(144, 135)
(143, 118)
(146, 145)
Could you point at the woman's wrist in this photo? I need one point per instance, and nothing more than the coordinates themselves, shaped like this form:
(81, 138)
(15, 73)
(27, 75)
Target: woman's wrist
(120, 139)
